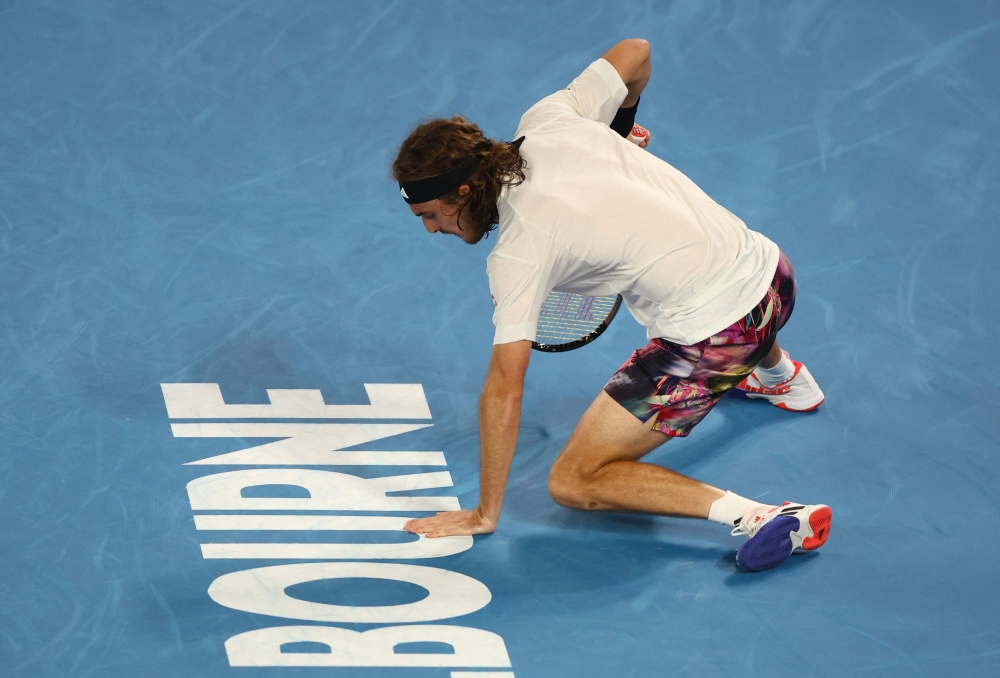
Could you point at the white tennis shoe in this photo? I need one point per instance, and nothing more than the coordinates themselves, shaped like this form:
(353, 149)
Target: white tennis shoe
(801, 393)
(777, 532)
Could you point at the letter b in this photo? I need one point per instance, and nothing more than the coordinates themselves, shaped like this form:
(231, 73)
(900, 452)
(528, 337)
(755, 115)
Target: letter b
(472, 647)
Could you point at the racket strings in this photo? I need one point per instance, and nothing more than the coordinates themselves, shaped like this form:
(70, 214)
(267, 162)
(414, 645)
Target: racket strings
(565, 318)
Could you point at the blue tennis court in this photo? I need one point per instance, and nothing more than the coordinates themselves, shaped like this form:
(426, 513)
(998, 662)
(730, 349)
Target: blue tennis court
(234, 364)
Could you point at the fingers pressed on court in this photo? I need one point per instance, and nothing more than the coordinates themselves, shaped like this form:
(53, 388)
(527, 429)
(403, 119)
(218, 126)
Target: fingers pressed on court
(451, 523)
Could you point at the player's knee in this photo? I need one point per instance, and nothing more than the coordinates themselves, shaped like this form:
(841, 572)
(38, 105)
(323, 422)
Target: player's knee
(561, 491)
(568, 488)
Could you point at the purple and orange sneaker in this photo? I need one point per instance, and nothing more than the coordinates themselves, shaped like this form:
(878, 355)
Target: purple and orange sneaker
(778, 532)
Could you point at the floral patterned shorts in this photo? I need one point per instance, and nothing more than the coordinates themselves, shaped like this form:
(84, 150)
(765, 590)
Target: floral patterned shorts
(678, 385)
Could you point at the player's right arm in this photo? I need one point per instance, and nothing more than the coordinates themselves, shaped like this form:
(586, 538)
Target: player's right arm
(612, 82)
(631, 59)
(499, 416)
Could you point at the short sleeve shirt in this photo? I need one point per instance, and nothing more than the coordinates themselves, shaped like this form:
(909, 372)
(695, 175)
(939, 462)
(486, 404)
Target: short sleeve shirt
(598, 215)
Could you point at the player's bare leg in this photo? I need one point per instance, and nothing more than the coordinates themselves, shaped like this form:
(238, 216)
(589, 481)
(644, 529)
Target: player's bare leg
(599, 468)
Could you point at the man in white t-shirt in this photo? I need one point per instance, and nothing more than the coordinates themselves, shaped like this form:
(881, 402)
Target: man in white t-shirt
(582, 210)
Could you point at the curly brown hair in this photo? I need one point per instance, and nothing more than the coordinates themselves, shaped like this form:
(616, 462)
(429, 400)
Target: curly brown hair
(443, 144)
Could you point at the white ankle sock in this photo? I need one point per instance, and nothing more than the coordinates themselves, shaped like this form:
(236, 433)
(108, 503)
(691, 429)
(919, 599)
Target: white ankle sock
(730, 507)
(772, 376)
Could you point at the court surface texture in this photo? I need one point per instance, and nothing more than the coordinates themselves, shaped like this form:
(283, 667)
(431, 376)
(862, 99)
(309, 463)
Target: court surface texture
(204, 260)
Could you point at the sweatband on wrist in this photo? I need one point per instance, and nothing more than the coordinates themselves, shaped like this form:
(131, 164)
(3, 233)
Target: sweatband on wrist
(624, 119)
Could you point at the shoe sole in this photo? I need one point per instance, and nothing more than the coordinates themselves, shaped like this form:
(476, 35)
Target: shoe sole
(744, 395)
(811, 408)
(819, 527)
(782, 537)
(770, 547)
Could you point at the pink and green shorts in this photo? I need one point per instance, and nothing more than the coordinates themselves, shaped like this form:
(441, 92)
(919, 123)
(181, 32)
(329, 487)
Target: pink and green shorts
(675, 386)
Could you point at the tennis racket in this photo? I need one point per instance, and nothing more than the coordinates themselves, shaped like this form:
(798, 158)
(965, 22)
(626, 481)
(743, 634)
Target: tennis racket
(569, 321)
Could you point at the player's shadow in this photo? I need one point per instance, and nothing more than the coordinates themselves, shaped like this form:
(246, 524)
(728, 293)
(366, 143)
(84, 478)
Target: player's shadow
(566, 562)
(741, 420)
(569, 562)
(739, 578)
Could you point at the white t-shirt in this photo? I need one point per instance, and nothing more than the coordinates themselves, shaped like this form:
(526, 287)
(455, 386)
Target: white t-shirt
(598, 215)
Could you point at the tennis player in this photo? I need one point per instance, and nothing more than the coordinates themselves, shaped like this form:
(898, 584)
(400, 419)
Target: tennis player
(582, 208)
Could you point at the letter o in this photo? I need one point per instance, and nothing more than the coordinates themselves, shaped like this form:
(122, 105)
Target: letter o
(262, 591)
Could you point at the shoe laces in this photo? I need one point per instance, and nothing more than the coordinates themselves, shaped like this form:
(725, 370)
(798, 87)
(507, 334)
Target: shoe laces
(758, 517)
(752, 520)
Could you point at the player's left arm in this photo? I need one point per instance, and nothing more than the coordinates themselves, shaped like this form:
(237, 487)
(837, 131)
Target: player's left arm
(632, 61)
(499, 418)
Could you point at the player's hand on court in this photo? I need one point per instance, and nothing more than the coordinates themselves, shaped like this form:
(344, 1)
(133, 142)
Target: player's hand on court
(452, 523)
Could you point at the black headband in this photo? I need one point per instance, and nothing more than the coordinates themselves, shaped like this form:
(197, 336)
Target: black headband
(425, 190)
